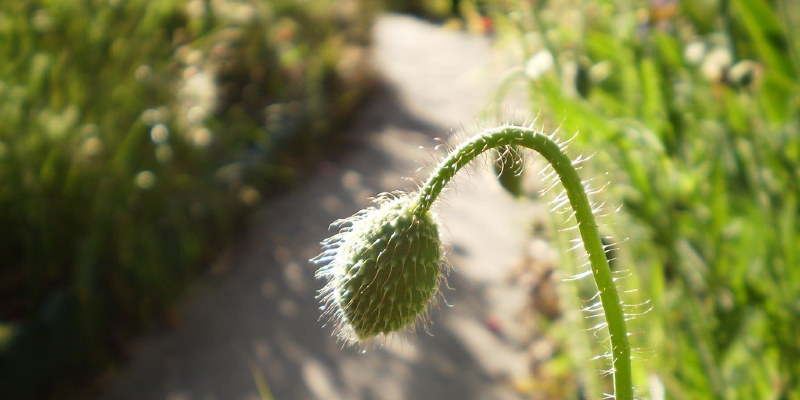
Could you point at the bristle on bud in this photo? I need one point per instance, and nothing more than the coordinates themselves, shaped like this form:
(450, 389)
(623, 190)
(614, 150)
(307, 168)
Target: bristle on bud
(383, 268)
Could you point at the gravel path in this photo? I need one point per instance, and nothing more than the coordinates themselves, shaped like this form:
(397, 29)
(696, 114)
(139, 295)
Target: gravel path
(258, 323)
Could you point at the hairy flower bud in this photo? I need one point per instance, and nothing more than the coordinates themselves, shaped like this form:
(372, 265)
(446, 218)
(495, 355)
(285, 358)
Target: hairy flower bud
(382, 269)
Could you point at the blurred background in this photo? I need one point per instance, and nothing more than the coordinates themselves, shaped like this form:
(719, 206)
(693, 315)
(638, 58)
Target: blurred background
(167, 168)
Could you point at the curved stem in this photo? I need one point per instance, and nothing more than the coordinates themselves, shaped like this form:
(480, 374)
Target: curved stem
(550, 150)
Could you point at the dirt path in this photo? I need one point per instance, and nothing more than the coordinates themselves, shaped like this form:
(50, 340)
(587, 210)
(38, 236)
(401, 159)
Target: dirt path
(259, 323)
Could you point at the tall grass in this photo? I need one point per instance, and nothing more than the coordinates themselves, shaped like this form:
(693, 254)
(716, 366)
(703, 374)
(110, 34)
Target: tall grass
(695, 108)
(134, 137)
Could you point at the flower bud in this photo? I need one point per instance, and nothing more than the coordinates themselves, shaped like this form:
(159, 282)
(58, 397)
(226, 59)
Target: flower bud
(382, 269)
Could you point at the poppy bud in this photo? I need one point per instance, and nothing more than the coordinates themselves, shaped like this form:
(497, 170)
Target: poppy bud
(382, 269)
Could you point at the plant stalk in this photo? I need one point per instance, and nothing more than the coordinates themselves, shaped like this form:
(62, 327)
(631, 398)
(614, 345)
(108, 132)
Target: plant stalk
(550, 150)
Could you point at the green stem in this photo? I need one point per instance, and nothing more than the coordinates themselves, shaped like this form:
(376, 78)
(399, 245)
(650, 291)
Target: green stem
(550, 150)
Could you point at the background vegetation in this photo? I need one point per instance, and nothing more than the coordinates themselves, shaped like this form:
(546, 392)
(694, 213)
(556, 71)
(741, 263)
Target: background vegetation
(693, 107)
(134, 136)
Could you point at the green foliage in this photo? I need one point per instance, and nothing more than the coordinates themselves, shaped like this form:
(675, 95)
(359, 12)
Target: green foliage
(134, 136)
(695, 107)
(429, 8)
(470, 12)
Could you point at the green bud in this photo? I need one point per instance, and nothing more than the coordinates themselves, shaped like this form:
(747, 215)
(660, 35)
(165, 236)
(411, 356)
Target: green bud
(508, 166)
(382, 269)
(583, 79)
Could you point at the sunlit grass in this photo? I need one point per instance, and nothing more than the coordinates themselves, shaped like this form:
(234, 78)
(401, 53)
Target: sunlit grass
(695, 108)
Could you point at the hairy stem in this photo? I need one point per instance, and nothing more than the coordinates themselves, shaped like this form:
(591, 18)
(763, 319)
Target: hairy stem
(550, 150)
